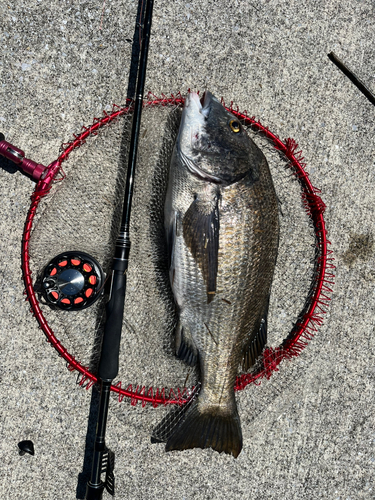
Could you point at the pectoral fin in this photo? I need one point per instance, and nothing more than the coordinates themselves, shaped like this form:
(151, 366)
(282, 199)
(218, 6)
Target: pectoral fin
(201, 234)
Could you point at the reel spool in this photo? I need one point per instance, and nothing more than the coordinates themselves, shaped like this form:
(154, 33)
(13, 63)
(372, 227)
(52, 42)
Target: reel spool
(72, 281)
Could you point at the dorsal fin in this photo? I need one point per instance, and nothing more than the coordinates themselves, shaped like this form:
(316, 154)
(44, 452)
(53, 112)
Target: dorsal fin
(256, 345)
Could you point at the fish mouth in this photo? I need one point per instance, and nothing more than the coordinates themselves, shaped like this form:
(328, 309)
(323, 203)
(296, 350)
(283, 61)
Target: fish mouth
(196, 104)
(205, 102)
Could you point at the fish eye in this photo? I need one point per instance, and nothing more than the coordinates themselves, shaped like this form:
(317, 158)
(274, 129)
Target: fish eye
(235, 126)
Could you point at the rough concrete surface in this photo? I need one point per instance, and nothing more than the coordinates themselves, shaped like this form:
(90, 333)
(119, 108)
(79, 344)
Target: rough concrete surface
(309, 430)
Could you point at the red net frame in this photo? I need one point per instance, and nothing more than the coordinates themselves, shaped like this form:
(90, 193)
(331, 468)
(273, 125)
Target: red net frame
(309, 320)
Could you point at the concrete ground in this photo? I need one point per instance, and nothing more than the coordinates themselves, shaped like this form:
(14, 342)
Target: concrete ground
(309, 430)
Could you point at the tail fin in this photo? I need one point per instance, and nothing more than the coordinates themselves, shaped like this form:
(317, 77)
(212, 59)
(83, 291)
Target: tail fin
(209, 429)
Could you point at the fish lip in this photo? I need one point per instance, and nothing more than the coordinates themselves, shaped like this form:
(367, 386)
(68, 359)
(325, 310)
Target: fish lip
(193, 100)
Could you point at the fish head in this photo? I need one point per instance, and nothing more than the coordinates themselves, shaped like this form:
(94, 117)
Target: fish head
(212, 142)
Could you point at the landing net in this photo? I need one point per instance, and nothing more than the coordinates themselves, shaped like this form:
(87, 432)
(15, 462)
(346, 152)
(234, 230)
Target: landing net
(82, 212)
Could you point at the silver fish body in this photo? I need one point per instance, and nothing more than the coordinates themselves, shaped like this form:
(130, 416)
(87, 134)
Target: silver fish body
(221, 220)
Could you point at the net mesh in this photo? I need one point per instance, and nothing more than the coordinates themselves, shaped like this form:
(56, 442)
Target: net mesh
(83, 213)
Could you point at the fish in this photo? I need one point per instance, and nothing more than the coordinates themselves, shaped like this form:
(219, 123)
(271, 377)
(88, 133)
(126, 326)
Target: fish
(222, 231)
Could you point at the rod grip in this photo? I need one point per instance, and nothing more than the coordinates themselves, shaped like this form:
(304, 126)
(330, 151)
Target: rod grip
(109, 359)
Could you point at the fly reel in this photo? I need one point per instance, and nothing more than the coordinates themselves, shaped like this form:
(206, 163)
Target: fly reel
(72, 281)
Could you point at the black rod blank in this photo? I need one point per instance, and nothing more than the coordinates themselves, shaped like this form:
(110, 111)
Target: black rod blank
(108, 365)
(109, 358)
(352, 77)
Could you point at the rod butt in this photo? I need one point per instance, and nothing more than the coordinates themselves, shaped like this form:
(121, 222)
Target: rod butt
(94, 491)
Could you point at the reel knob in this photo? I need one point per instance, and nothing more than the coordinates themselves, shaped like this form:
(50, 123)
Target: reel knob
(72, 281)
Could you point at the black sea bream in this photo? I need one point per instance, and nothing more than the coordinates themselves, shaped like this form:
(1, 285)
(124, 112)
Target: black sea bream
(221, 220)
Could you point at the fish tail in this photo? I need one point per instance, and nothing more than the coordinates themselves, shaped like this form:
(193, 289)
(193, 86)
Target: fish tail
(211, 428)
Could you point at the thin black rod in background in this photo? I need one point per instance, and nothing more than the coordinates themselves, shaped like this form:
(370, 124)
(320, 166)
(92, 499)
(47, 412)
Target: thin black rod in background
(352, 77)
(109, 358)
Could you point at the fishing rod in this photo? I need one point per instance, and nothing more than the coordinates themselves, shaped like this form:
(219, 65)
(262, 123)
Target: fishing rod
(103, 459)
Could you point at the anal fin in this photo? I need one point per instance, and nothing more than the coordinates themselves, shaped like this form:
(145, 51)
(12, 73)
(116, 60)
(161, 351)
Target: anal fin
(185, 346)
